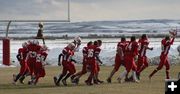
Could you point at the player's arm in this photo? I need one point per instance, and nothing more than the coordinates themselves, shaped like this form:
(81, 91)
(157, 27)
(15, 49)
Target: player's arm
(172, 40)
(173, 36)
(18, 56)
(120, 52)
(27, 57)
(149, 48)
(73, 60)
(98, 59)
(59, 59)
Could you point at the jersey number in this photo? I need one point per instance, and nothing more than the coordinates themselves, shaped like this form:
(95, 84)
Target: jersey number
(90, 53)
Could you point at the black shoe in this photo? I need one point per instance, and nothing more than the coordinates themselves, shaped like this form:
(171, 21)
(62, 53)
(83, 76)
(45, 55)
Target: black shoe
(108, 80)
(21, 80)
(55, 81)
(72, 78)
(138, 76)
(64, 82)
(30, 82)
(88, 83)
(76, 81)
(100, 81)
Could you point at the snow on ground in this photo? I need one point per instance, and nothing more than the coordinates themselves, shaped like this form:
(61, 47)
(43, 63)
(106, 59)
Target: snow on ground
(107, 54)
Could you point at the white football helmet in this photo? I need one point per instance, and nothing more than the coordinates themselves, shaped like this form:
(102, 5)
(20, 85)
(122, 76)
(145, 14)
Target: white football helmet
(77, 39)
(36, 42)
(71, 45)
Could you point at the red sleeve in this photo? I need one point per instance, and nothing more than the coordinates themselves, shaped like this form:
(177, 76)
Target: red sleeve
(97, 51)
(19, 51)
(136, 48)
(163, 42)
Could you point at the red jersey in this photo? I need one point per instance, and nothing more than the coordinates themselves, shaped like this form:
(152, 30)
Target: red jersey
(41, 57)
(67, 54)
(165, 46)
(85, 51)
(143, 44)
(91, 52)
(98, 50)
(122, 46)
(23, 53)
(33, 49)
(132, 49)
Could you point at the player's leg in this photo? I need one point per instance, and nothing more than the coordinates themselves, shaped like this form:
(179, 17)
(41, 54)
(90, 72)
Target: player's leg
(115, 69)
(72, 70)
(79, 74)
(97, 75)
(162, 60)
(144, 66)
(167, 69)
(58, 79)
(25, 73)
(18, 76)
(134, 69)
(125, 73)
(92, 73)
(40, 73)
(139, 63)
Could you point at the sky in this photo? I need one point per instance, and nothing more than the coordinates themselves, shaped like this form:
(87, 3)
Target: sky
(89, 10)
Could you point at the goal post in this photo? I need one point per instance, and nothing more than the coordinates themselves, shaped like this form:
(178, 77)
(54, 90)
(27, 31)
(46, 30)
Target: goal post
(6, 40)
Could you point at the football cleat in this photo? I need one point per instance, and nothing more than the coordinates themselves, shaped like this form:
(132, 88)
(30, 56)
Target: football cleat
(119, 80)
(88, 83)
(55, 81)
(108, 80)
(64, 82)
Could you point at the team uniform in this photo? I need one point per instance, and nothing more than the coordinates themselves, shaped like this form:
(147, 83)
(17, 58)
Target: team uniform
(97, 52)
(131, 51)
(31, 57)
(142, 58)
(22, 52)
(165, 44)
(119, 58)
(84, 67)
(68, 66)
(39, 65)
(24, 68)
(91, 60)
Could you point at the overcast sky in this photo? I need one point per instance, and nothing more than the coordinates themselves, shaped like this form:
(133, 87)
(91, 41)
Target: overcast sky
(90, 10)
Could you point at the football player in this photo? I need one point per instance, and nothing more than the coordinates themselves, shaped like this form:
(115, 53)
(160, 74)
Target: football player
(119, 59)
(131, 52)
(85, 66)
(68, 65)
(40, 63)
(165, 46)
(21, 56)
(142, 62)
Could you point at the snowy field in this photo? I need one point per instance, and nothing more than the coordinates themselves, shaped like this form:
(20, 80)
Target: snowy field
(107, 54)
(21, 30)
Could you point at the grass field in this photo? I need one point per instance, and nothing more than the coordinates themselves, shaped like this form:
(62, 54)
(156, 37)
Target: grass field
(46, 85)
